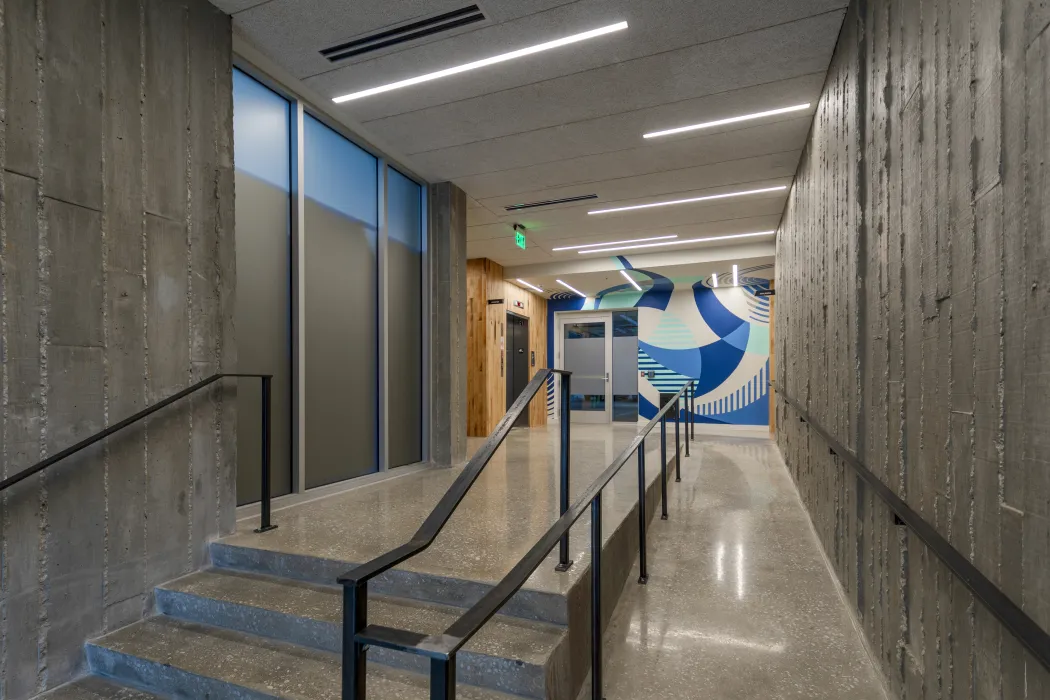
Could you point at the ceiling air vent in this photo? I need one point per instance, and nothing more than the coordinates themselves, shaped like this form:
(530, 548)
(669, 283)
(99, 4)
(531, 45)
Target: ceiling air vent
(550, 202)
(404, 34)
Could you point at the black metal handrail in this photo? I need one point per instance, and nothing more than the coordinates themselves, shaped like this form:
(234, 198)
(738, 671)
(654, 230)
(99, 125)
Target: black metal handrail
(1010, 615)
(442, 648)
(355, 581)
(267, 380)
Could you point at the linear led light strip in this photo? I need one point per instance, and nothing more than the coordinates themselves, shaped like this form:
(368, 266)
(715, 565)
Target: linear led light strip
(678, 242)
(503, 57)
(530, 286)
(598, 245)
(571, 288)
(631, 280)
(707, 198)
(730, 120)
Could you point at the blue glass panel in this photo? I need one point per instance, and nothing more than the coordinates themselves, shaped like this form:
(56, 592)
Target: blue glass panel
(404, 211)
(340, 219)
(405, 318)
(261, 132)
(339, 175)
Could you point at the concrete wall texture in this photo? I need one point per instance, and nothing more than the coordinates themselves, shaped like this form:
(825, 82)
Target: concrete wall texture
(912, 320)
(116, 229)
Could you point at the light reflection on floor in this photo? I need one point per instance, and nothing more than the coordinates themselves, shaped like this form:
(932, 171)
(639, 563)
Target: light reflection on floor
(740, 603)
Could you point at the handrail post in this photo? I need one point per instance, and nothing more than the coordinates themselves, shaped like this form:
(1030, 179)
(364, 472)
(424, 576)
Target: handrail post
(596, 597)
(566, 436)
(663, 467)
(443, 678)
(692, 416)
(355, 619)
(678, 439)
(688, 412)
(643, 570)
(264, 504)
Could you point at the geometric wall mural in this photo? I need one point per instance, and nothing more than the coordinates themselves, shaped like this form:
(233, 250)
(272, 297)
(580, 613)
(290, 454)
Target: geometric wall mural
(687, 329)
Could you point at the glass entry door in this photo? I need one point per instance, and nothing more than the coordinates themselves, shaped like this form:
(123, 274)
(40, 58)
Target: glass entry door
(586, 351)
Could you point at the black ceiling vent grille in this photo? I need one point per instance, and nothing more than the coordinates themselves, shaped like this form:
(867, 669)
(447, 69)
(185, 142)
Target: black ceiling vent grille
(404, 34)
(550, 202)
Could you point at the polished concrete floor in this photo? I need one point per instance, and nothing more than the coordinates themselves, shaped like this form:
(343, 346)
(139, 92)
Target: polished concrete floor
(509, 508)
(740, 602)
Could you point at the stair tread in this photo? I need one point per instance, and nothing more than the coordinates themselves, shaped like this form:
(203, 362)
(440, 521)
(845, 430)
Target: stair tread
(258, 665)
(94, 688)
(502, 637)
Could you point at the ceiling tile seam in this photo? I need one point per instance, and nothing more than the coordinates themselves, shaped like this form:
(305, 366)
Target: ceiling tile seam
(668, 194)
(602, 67)
(511, 215)
(655, 172)
(253, 7)
(641, 144)
(439, 39)
(539, 244)
(640, 109)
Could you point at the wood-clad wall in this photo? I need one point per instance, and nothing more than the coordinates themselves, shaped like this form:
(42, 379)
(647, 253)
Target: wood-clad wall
(487, 342)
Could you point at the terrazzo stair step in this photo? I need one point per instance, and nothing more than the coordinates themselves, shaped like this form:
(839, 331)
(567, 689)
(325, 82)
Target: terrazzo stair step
(541, 606)
(525, 658)
(186, 660)
(94, 688)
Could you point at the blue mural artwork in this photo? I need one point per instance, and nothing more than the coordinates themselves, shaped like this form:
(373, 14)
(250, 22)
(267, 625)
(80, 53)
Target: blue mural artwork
(688, 329)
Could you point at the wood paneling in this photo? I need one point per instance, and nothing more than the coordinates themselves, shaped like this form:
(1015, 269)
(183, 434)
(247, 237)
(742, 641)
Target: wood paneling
(487, 342)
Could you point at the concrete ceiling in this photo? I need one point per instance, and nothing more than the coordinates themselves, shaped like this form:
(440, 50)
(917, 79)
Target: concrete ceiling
(569, 121)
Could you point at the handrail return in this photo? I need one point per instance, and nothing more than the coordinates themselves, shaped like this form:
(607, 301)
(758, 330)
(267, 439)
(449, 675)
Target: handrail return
(267, 381)
(442, 648)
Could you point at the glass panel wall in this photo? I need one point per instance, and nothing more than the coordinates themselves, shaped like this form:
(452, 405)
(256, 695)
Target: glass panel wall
(341, 220)
(625, 366)
(584, 352)
(404, 264)
(262, 141)
(326, 259)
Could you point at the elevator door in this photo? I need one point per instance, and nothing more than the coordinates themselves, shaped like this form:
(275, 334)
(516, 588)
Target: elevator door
(517, 362)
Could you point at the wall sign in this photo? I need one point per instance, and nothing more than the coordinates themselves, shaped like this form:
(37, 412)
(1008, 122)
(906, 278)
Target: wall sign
(519, 304)
(495, 301)
(533, 358)
(766, 293)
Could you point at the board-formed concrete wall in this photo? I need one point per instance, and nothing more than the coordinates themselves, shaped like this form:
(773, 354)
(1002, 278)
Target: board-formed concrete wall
(913, 320)
(116, 229)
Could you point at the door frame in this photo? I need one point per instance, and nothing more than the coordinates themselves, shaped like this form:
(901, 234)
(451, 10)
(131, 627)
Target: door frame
(525, 420)
(561, 318)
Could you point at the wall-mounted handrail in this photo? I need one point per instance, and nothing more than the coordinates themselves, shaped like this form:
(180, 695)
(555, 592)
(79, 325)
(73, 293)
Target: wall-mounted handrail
(442, 648)
(103, 434)
(1010, 615)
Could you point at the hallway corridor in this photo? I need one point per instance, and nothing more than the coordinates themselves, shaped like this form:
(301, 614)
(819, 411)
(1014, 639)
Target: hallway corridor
(740, 603)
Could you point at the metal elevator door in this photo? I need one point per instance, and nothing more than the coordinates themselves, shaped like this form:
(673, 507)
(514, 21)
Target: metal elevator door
(517, 362)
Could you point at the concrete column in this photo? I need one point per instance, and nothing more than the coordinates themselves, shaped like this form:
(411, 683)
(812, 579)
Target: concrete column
(448, 324)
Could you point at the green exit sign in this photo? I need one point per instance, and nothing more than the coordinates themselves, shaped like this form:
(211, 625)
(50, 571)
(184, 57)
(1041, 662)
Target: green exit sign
(519, 238)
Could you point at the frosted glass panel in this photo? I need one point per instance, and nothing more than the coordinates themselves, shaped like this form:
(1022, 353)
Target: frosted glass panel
(584, 349)
(262, 132)
(405, 318)
(625, 366)
(340, 286)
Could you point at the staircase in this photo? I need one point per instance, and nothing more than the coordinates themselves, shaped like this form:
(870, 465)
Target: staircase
(265, 621)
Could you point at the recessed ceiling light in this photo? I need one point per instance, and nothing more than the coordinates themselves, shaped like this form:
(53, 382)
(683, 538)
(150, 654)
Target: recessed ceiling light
(598, 245)
(714, 280)
(501, 58)
(571, 288)
(679, 242)
(530, 286)
(736, 280)
(631, 280)
(730, 120)
(691, 200)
